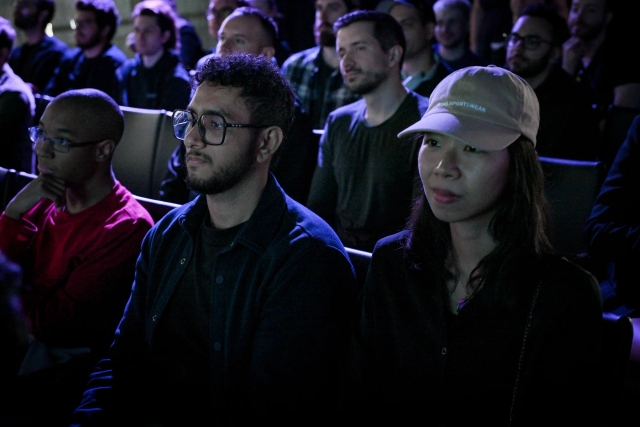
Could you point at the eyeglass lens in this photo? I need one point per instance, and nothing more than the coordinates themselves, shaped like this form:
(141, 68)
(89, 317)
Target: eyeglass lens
(530, 42)
(211, 127)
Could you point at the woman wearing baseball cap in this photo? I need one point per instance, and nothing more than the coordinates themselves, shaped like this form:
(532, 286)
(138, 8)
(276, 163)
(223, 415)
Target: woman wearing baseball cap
(468, 315)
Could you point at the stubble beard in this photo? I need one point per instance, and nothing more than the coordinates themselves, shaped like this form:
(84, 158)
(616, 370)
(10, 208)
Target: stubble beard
(224, 179)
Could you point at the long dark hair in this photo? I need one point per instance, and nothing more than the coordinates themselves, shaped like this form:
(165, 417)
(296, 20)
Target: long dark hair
(520, 226)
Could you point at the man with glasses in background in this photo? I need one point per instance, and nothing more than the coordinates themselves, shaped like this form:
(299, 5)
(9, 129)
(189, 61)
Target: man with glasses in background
(76, 233)
(568, 125)
(239, 313)
(92, 64)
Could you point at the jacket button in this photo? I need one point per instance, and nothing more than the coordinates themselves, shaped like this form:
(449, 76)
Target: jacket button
(154, 318)
(444, 351)
(219, 279)
(183, 260)
(217, 346)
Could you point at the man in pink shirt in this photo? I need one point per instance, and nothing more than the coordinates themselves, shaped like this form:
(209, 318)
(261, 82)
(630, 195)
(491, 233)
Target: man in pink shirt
(76, 232)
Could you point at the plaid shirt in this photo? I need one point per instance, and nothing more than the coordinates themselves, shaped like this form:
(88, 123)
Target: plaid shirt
(301, 69)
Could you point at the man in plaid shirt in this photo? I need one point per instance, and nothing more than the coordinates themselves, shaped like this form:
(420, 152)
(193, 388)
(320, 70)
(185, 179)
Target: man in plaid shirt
(314, 73)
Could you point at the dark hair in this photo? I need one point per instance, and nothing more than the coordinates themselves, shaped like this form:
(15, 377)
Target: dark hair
(559, 27)
(105, 11)
(264, 89)
(165, 17)
(7, 34)
(47, 6)
(349, 4)
(386, 30)
(423, 7)
(520, 226)
(96, 110)
(267, 23)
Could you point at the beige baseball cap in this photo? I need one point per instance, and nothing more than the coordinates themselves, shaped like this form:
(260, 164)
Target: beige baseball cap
(486, 107)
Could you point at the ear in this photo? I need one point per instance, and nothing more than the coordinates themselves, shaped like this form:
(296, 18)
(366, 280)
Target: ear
(269, 52)
(104, 150)
(395, 53)
(269, 142)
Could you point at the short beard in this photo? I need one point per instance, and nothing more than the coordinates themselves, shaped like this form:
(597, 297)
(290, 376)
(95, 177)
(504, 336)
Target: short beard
(224, 179)
(372, 82)
(26, 22)
(327, 39)
(92, 42)
(533, 69)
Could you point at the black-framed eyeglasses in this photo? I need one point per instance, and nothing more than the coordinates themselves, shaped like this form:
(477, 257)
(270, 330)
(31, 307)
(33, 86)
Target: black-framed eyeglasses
(61, 145)
(529, 42)
(211, 126)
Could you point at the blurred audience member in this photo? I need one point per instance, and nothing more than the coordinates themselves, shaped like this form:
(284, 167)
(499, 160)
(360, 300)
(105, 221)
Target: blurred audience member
(452, 34)
(270, 8)
(568, 125)
(190, 43)
(217, 12)
(422, 69)
(155, 78)
(314, 73)
(17, 108)
(92, 64)
(595, 60)
(36, 60)
(613, 229)
(366, 177)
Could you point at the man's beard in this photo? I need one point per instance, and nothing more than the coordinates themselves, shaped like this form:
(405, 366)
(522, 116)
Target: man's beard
(324, 35)
(226, 178)
(327, 39)
(532, 68)
(92, 42)
(371, 81)
(26, 22)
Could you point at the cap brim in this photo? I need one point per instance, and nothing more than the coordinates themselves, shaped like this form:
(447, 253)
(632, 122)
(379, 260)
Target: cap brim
(475, 132)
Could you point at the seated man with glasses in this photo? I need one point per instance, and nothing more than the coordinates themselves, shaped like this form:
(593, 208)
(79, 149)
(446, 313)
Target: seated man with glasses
(239, 313)
(76, 232)
(568, 125)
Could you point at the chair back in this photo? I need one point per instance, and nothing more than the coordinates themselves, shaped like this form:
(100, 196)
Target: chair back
(165, 145)
(156, 208)
(135, 155)
(571, 188)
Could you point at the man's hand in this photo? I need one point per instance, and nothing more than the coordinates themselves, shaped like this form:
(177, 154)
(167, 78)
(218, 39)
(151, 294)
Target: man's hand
(572, 52)
(44, 186)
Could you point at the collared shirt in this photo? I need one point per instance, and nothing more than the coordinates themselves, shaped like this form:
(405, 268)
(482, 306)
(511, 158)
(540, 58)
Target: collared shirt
(422, 82)
(318, 97)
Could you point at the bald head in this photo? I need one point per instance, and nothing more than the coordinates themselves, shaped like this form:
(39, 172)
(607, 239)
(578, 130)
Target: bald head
(248, 30)
(98, 116)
